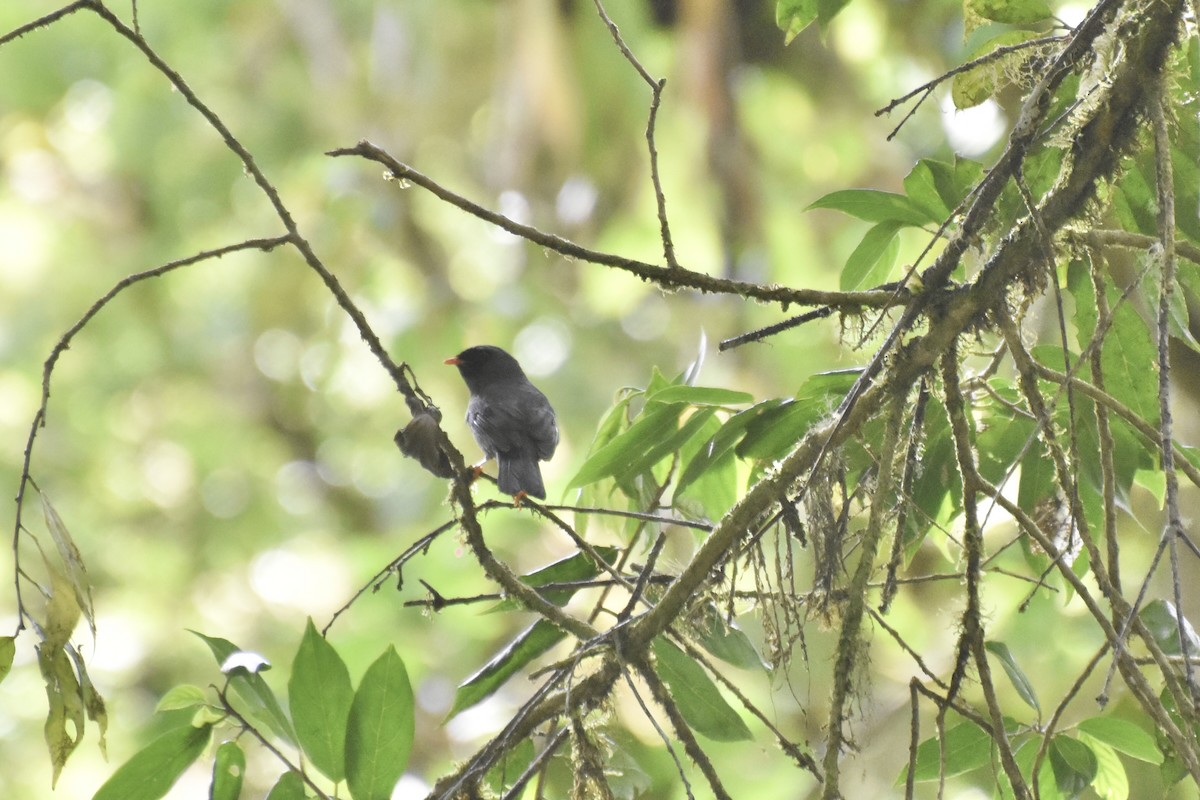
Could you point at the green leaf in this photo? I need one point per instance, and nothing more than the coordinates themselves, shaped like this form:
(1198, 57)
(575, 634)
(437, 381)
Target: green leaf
(319, 695)
(701, 396)
(229, 769)
(1002, 434)
(251, 688)
(875, 206)
(8, 651)
(290, 786)
(1111, 782)
(1136, 203)
(1073, 763)
(65, 705)
(921, 186)
(728, 642)
(715, 490)
(698, 698)
(793, 16)
(677, 440)
(652, 452)
(380, 733)
(501, 777)
(1129, 359)
(955, 181)
(184, 695)
(1124, 737)
(93, 703)
(967, 748)
(1019, 680)
(531, 643)
(62, 607)
(150, 772)
(576, 567)
(1161, 618)
(615, 457)
(614, 421)
(1012, 12)
(775, 432)
(828, 9)
(972, 87)
(722, 442)
(872, 260)
(1026, 753)
(76, 571)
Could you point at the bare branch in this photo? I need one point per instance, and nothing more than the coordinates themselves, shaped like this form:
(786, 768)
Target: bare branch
(662, 276)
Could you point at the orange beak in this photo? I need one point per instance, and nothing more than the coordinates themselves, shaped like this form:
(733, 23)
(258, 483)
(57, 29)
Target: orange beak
(453, 361)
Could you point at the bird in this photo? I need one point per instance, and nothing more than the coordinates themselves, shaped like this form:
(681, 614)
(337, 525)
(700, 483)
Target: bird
(512, 421)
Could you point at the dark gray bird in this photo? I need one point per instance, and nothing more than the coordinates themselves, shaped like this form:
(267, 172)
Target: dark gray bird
(512, 421)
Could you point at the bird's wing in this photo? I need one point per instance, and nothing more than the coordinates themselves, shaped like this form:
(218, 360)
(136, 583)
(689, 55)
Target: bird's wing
(515, 420)
(544, 427)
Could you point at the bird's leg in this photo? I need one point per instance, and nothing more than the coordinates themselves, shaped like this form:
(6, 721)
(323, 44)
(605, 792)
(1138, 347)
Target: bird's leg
(519, 498)
(477, 469)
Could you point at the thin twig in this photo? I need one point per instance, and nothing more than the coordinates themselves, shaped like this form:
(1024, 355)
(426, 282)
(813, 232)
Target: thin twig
(662, 276)
(644, 577)
(535, 766)
(972, 636)
(683, 732)
(771, 330)
(1164, 176)
(656, 89)
(64, 343)
(341, 297)
(419, 546)
(926, 89)
(228, 708)
(45, 21)
(1104, 428)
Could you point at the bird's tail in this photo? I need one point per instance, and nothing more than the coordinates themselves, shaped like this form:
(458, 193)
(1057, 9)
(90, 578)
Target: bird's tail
(521, 474)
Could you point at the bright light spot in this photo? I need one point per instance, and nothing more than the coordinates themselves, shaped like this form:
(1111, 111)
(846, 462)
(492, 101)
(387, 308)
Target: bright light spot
(359, 378)
(88, 106)
(435, 694)
(410, 787)
(649, 320)
(276, 353)
(27, 241)
(375, 473)
(576, 201)
(120, 646)
(17, 399)
(299, 580)
(245, 660)
(35, 176)
(514, 206)
(973, 131)
(1073, 14)
(224, 493)
(314, 364)
(476, 274)
(479, 720)
(167, 473)
(78, 131)
(543, 346)
(335, 461)
(858, 34)
(298, 488)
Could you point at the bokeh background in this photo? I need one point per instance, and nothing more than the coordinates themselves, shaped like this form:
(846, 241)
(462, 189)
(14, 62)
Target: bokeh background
(219, 441)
